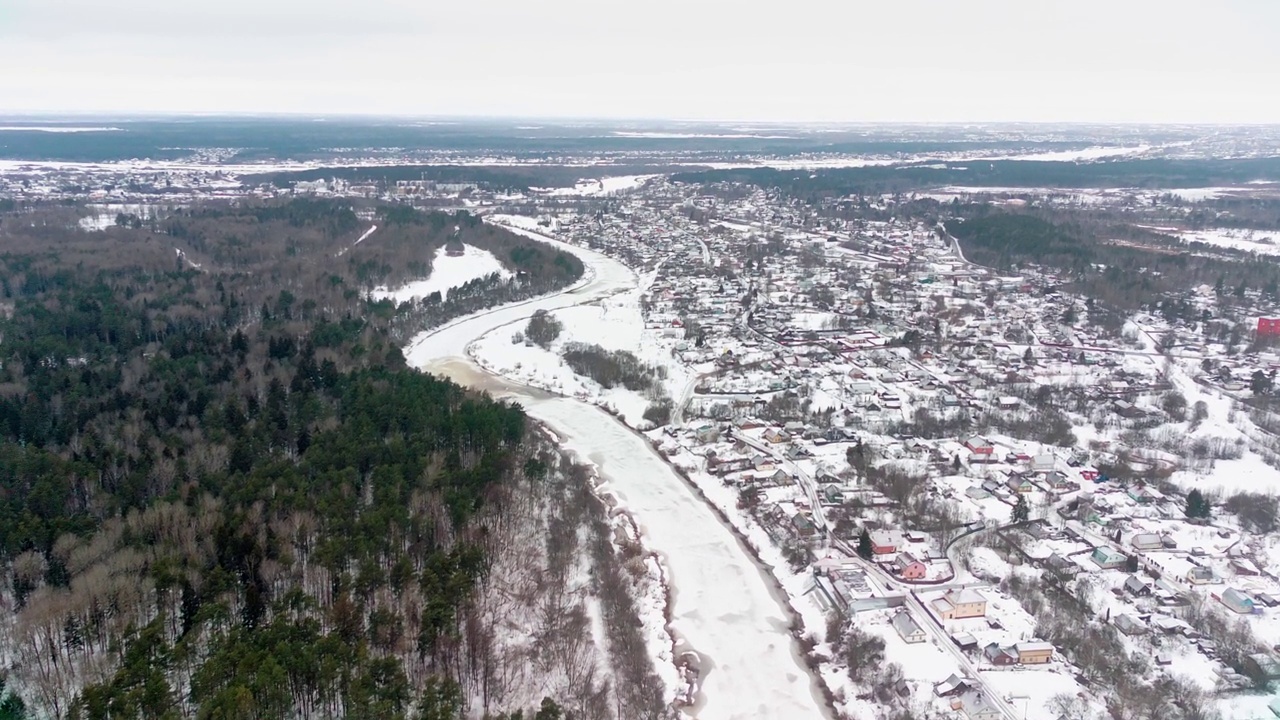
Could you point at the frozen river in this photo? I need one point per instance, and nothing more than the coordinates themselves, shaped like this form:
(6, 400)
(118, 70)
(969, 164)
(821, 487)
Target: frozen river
(724, 607)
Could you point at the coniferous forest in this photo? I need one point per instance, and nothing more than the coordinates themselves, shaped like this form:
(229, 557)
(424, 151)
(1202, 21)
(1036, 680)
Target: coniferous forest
(224, 495)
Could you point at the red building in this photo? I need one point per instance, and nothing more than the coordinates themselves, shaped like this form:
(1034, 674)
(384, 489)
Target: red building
(1268, 327)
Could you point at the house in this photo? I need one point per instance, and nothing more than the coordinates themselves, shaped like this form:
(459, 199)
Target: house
(1019, 483)
(707, 433)
(1043, 463)
(964, 641)
(908, 567)
(1200, 576)
(1144, 495)
(885, 542)
(1237, 601)
(1107, 558)
(1170, 625)
(1136, 587)
(976, 706)
(804, 526)
(1130, 625)
(976, 492)
(1146, 541)
(860, 392)
(980, 447)
(1059, 481)
(952, 686)
(908, 628)
(1034, 652)
(960, 604)
(776, 436)
(997, 654)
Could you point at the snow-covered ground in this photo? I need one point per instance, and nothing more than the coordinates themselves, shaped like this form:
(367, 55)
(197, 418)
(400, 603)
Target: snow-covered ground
(614, 323)
(104, 215)
(365, 236)
(1263, 242)
(722, 605)
(58, 128)
(447, 272)
(603, 186)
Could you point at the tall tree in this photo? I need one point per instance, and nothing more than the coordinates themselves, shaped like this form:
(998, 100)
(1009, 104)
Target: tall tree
(864, 545)
(1021, 512)
(1197, 506)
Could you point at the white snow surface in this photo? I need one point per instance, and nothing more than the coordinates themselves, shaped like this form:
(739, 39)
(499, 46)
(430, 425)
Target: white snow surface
(447, 272)
(603, 186)
(104, 214)
(372, 229)
(722, 606)
(57, 128)
(1263, 242)
(614, 323)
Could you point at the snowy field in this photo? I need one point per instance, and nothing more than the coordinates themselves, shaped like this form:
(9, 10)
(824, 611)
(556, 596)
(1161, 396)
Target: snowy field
(447, 272)
(603, 186)
(104, 215)
(1262, 242)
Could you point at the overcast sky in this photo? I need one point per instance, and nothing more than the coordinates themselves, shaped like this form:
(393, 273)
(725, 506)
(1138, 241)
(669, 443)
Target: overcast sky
(842, 60)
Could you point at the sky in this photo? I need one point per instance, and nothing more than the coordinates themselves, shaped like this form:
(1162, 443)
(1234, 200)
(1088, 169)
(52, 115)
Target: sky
(792, 60)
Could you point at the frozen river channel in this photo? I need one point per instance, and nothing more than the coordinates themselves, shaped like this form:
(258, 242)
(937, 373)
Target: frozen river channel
(724, 606)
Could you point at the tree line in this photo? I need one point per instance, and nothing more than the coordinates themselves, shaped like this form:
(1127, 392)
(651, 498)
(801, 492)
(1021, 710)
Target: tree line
(224, 495)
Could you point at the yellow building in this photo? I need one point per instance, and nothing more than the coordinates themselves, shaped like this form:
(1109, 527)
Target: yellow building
(960, 604)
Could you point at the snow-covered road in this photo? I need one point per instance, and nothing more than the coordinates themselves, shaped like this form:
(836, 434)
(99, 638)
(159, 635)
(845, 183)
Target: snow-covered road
(723, 607)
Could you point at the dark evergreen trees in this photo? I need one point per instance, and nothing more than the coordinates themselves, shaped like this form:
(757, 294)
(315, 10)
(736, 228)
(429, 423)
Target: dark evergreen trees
(1197, 506)
(864, 545)
(1021, 512)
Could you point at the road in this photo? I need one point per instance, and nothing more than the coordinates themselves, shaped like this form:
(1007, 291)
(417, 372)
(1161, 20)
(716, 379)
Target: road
(806, 482)
(706, 251)
(723, 605)
(881, 581)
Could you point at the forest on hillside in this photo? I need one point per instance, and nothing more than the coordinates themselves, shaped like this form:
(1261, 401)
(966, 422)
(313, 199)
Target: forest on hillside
(224, 495)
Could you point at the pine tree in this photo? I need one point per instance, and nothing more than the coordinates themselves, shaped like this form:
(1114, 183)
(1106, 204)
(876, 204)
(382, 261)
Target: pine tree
(1020, 510)
(864, 545)
(1197, 506)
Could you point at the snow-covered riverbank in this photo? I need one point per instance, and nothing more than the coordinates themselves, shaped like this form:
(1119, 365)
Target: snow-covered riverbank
(723, 606)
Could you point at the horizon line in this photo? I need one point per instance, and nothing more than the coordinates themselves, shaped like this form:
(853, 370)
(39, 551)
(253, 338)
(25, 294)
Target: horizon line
(55, 116)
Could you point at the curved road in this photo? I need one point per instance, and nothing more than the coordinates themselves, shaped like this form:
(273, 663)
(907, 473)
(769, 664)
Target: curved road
(723, 607)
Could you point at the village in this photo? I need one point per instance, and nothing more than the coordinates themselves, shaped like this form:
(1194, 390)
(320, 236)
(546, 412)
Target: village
(918, 439)
(937, 460)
